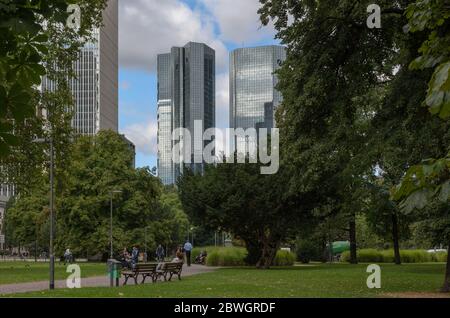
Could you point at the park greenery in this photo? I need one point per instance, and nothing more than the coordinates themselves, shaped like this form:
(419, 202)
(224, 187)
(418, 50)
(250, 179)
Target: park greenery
(144, 213)
(323, 280)
(364, 143)
(363, 108)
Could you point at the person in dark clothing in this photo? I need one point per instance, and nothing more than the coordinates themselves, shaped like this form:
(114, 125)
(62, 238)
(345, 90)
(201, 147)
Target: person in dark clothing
(160, 254)
(134, 256)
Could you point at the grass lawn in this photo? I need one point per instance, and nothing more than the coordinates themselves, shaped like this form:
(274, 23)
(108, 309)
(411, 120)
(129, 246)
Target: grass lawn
(23, 272)
(302, 281)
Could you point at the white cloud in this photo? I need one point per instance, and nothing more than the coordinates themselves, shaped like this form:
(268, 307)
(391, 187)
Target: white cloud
(151, 27)
(238, 20)
(144, 137)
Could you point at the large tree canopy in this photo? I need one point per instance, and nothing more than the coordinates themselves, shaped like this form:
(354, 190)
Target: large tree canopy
(236, 198)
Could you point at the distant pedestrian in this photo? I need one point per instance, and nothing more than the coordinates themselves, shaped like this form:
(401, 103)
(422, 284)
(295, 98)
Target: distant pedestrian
(188, 249)
(160, 254)
(68, 256)
(134, 256)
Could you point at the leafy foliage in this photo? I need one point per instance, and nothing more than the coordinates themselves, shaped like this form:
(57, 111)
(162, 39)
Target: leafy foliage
(27, 54)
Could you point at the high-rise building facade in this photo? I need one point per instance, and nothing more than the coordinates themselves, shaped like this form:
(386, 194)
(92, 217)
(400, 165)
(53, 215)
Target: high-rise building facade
(186, 94)
(95, 86)
(253, 97)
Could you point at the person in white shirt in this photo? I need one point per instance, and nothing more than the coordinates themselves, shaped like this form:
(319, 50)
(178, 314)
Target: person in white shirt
(188, 249)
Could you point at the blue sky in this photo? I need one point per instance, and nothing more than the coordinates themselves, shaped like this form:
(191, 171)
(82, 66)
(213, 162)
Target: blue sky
(150, 27)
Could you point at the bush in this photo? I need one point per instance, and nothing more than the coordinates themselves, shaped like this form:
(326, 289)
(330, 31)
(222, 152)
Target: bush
(387, 256)
(235, 256)
(284, 258)
(306, 251)
(222, 256)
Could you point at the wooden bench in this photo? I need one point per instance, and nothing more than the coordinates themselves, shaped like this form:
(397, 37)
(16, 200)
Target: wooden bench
(170, 269)
(144, 269)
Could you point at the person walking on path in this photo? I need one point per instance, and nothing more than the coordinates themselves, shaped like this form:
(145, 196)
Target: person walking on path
(134, 257)
(160, 253)
(188, 249)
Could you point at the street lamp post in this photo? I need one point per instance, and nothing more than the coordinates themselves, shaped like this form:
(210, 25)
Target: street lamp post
(111, 251)
(52, 216)
(145, 244)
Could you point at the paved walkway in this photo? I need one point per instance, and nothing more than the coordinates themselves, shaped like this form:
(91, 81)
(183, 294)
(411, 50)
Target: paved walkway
(102, 281)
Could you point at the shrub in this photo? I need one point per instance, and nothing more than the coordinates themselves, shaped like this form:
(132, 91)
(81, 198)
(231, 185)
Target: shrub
(222, 256)
(235, 256)
(284, 258)
(306, 251)
(387, 256)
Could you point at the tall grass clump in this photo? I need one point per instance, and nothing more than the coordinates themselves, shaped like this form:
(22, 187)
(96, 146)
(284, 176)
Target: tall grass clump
(387, 256)
(284, 258)
(222, 256)
(235, 256)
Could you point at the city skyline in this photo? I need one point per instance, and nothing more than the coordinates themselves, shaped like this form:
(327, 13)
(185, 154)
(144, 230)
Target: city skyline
(157, 26)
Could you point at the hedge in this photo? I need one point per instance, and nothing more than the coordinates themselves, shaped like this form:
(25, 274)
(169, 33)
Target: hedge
(235, 256)
(387, 256)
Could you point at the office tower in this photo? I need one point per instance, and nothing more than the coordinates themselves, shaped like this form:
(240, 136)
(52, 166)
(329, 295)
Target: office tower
(186, 94)
(95, 88)
(253, 97)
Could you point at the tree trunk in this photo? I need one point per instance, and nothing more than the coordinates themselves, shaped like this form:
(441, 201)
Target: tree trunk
(353, 255)
(446, 287)
(269, 251)
(395, 238)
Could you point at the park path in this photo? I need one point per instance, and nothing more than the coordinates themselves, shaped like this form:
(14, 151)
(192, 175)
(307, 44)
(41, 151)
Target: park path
(99, 281)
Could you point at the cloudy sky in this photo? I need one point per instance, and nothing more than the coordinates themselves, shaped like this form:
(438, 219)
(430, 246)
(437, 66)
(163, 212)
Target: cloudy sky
(151, 27)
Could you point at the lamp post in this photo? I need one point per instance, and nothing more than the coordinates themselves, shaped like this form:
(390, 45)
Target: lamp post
(145, 244)
(52, 216)
(111, 251)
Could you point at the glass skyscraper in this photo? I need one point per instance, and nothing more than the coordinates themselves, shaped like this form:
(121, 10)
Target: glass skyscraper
(253, 97)
(186, 93)
(95, 88)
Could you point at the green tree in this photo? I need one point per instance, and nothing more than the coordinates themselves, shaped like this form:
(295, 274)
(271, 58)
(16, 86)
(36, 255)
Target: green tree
(328, 82)
(236, 198)
(425, 183)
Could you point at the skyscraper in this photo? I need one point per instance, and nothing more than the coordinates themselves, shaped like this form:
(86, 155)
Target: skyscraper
(253, 97)
(95, 88)
(186, 94)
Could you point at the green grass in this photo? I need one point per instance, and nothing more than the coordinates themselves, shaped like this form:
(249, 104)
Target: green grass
(339, 280)
(23, 272)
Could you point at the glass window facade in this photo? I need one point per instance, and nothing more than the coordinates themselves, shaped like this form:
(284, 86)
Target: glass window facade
(186, 93)
(253, 97)
(95, 86)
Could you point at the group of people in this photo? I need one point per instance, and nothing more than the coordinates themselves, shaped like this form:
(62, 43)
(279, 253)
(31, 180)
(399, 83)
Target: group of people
(129, 260)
